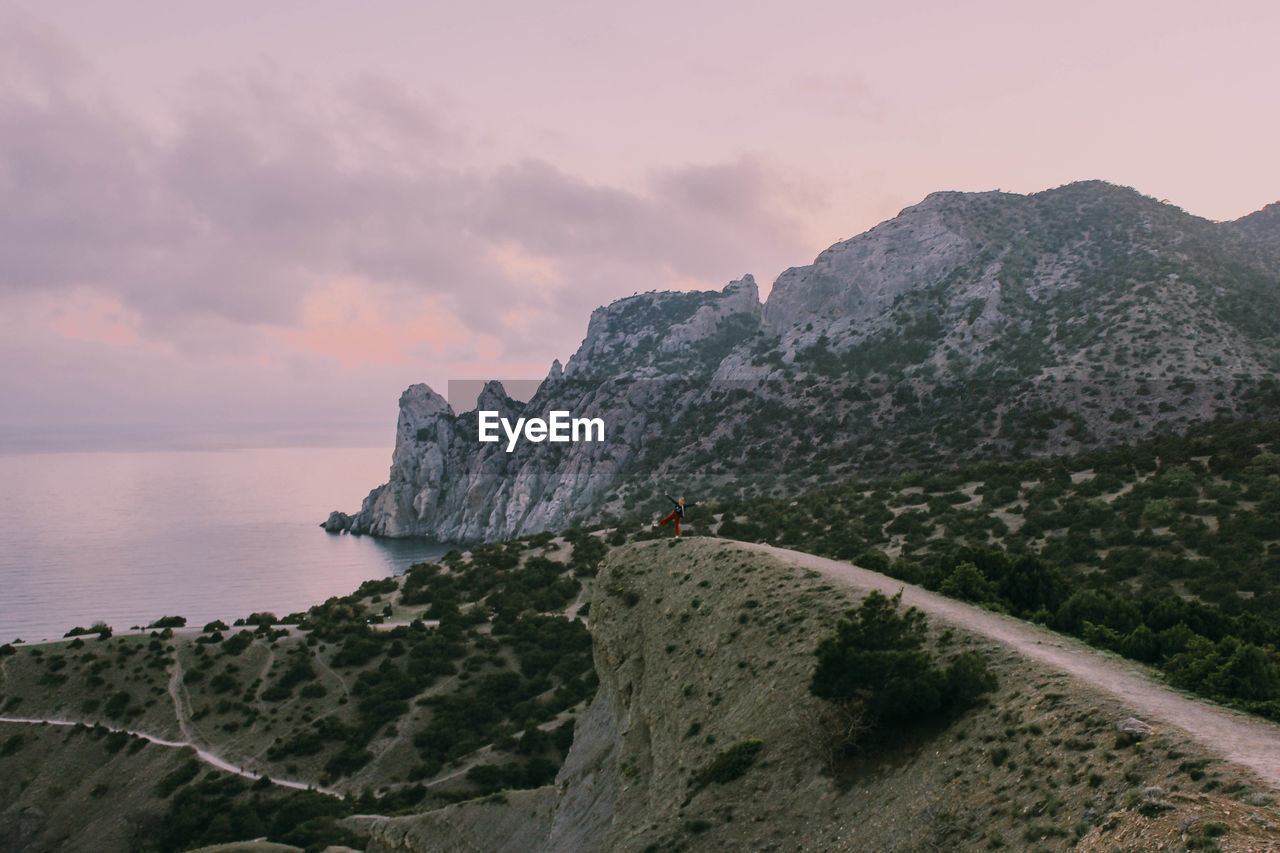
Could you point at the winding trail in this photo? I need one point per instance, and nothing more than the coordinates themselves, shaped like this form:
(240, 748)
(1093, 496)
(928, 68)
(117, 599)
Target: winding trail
(176, 688)
(202, 754)
(262, 675)
(320, 662)
(1239, 738)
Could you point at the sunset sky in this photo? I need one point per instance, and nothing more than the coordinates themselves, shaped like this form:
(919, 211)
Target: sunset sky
(288, 211)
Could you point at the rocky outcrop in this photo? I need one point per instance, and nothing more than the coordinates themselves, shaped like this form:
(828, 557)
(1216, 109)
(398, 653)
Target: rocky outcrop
(972, 326)
(642, 360)
(858, 280)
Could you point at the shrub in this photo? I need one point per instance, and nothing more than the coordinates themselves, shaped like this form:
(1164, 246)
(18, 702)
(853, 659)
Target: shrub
(877, 661)
(174, 780)
(730, 764)
(12, 745)
(968, 583)
(237, 643)
(116, 705)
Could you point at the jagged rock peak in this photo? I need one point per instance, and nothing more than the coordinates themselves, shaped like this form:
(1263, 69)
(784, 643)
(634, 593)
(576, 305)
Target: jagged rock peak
(493, 397)
(419, 402)
(744, 289)
(638, 331)
(556, 373)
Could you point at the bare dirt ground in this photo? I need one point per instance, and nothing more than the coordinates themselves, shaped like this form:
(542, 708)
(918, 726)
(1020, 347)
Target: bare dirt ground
(1236, 737)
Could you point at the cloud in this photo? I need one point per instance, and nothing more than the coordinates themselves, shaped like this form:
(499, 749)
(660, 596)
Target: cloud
(266, 218)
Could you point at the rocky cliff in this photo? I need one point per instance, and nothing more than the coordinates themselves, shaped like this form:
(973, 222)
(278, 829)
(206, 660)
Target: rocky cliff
(644, 359)
(971, 326)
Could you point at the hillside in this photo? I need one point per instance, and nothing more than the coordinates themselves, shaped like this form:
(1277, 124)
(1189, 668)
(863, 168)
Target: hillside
(1166, 551)
(973, 326)
(358, 698)
(703, 645)
(699, 646)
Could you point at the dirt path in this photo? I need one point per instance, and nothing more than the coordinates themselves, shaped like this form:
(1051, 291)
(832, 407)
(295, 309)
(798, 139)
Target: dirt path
(177, 687)
(262, 676)
(476, 758)
(1239, 738)
(332, 674)
(202, 754)
(584, 595)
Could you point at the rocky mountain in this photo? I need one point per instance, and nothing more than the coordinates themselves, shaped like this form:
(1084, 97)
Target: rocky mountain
(1262, 225)
(970, 326)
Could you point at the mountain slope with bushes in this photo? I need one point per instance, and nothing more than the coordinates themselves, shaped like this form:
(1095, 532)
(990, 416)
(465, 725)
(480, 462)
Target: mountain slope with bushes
(973, 326)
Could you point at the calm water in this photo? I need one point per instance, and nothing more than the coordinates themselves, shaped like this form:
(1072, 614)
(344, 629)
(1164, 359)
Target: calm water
(129, 536)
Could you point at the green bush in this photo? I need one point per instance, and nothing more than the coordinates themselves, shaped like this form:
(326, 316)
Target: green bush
(877, 661)
(12, 745)
(967, 583)
(730, 764)
(175, 779)
(116, 705)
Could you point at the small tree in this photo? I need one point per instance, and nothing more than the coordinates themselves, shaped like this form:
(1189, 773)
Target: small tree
(877, 667)
(967, 583)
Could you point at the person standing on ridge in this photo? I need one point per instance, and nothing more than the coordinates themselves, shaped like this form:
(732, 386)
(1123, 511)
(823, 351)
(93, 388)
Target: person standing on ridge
(675, 515)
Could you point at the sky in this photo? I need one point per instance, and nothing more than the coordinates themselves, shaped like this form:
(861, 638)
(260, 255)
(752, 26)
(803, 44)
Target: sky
(246, 213)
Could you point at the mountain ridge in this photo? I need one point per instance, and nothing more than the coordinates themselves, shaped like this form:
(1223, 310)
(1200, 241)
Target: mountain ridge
(970, 326)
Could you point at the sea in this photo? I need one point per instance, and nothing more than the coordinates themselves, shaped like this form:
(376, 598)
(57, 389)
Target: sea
(127, 524)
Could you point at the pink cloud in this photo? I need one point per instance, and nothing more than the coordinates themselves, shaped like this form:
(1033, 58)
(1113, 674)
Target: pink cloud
(87, 316)
(356, 322)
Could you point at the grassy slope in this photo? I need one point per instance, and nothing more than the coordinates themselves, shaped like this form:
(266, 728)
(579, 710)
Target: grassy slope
(701, 645)
(1168, 551)
(1036, 767)
(78, 789)
(338, 705)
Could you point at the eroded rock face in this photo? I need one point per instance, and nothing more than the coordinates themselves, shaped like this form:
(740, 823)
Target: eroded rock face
(673, 694)
(972, 326)
(858, 280)
(639, 363)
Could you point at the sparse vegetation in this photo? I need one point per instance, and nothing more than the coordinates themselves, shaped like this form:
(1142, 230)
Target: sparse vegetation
(877, 666)
(729, 764)
(1165, 551)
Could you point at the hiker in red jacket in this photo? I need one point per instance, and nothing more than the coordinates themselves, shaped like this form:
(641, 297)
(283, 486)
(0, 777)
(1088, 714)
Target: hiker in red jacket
(675, 515)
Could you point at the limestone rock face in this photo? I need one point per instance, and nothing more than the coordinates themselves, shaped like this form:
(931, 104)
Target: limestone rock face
(971, 327)
(640, 358)
(657, 334)
(859, 279)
